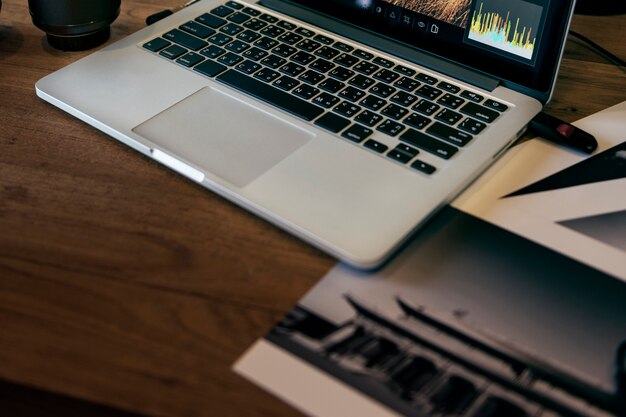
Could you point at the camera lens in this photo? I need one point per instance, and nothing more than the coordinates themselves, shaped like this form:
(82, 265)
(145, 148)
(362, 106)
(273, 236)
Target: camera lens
(74, 25)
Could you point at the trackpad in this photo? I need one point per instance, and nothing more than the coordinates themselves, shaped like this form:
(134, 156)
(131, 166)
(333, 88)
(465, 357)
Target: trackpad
(224, 135)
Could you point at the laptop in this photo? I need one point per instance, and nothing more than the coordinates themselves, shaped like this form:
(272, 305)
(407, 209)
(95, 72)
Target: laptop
(348, 123)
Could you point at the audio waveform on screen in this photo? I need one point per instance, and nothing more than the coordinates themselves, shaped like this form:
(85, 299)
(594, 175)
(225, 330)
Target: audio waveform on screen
(504, 33)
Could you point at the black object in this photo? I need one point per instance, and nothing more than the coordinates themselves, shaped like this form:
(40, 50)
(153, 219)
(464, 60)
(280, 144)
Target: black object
(74, 25)
(562, 133)
(600, 7)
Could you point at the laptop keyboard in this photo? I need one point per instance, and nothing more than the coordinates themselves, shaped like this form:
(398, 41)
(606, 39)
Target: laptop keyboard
(386, 107)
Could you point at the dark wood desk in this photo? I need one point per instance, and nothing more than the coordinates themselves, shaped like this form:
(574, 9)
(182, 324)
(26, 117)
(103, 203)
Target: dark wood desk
(124, 285)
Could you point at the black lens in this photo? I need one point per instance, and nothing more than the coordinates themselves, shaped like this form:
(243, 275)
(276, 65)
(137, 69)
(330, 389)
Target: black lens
(73, 25)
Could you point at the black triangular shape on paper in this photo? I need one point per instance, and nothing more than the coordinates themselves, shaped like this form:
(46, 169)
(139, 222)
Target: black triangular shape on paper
(605, 166)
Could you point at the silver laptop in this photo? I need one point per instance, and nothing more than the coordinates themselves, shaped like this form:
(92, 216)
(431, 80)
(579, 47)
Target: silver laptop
(345, 122)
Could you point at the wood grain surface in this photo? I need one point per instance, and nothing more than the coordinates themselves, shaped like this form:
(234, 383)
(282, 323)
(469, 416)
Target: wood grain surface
(124, 285)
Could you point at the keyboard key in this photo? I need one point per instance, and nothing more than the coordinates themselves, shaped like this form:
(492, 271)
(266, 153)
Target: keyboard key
(311, 77)
(352, 94)
(292, 69)
(267, 75)
(390, 127)
(248, 67)
(273, 61)
(184, 39)
(386, 76)
(404, 70)
(428, 92)
(213, 51)
(382, 90)
(417, 121)
(449, 87)
(357, 133)
(366, 68)
(251, 11)
(234, 5)
(211, 21)
(423, 167)
(398, 156)
(209, 68)
(448, 116)
(304, 32)
(368, 118)
(429, 144)
(220, 39)
(361, 81)
(403, 99)
(346, 60)
(248, 36)
(470, 95)
(426, 78)
(190, 59)
(272, 95)
(395, 112)
(362, 54)
(401, 147)
(268, 18)
(406, 84)
(332, 122)
(375, 146)
(284, 50)
(383, 62)
(238, 17)
(286, 83)
(341, 73)
(285, 25)
(303, 58)
(449, 134)
(254, 24)
(327, 52)
(290, 38)
(222, 11)
(331, 85)
(196, 29)
(495, 105)
(255, 53)
(343, 47)
(451, 101)
(323, 39)
(326, 100)
(173, 52)
(272, 31)
(266, 43)
(155, 45)
(426, 107)
(230, 59)
(373, 103)
(231, 29)
(322, 65)
(237, 46)
(472, 126)
(308, 45)
(306, 91)
(347, 109)
(480, 112)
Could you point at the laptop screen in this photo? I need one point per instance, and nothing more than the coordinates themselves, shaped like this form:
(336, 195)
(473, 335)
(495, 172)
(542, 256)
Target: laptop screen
(516, 41)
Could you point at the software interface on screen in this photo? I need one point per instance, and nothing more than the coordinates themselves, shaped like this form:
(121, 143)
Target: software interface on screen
(509, 28)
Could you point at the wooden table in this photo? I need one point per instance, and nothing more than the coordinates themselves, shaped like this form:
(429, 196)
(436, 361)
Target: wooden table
(124, 285)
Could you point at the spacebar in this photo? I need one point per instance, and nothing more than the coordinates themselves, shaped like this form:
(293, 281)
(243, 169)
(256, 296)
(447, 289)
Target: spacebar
(269, 94)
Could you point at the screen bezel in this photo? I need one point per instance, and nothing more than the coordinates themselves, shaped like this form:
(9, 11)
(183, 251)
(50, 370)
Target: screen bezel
(537, 80)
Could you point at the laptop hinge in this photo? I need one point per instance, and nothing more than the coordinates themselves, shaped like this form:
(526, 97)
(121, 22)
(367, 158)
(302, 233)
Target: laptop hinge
(387, 45)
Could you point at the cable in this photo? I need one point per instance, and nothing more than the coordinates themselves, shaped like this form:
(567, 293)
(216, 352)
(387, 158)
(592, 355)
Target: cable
(613, 58)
